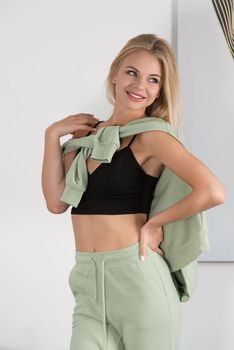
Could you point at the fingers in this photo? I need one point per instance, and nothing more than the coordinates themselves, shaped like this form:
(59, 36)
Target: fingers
(143, 247)
(160, 252)
(83, 123)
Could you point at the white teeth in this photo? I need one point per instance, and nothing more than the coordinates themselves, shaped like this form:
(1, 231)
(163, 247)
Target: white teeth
(136, 96)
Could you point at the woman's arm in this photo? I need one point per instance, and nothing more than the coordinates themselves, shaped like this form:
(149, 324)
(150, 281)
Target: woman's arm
(54, 171)
(207, 191)
(54, 168)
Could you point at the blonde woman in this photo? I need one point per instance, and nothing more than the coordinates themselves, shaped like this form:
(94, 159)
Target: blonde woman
(123, 302)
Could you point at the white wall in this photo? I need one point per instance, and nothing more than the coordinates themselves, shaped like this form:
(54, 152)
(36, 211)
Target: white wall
(54, 58)
(207, 78)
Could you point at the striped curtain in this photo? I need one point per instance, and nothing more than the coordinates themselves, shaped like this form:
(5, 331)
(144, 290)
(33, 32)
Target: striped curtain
(225, 12)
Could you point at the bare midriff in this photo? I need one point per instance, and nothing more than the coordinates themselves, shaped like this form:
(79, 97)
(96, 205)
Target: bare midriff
(95, 233)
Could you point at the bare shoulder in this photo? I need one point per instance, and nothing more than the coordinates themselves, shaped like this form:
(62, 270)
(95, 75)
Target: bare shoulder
(174, 155)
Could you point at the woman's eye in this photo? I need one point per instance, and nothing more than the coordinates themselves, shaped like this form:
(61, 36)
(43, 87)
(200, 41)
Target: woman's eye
(132, 71)
(156, 80)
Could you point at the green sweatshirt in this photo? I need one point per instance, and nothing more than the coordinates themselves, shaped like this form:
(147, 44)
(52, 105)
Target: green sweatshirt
(184, 239)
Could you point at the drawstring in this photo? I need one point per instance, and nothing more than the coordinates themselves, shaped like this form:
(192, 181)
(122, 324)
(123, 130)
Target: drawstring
(103, 297)
(95, 280)
(104, 306)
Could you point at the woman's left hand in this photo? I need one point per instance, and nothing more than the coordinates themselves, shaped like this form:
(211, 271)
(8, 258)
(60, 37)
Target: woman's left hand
(151, 235)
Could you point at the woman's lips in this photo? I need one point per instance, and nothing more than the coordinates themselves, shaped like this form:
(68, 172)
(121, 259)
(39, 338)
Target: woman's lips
(133, 98)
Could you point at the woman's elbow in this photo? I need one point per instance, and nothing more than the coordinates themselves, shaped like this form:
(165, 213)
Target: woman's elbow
(57, 209)
(218, 194)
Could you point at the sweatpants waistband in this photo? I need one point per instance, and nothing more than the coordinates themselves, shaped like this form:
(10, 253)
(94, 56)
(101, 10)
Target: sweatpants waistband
(113, 258)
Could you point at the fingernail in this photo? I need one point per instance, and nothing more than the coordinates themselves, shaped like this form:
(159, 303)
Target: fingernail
(142, 257)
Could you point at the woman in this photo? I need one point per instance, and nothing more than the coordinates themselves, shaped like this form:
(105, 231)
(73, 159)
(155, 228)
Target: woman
(121, 301)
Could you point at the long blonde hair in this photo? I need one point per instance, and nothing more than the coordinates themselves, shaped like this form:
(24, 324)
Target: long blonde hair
(167, 105)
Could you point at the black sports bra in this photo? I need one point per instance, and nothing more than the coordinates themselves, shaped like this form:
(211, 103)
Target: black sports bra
(119, 187)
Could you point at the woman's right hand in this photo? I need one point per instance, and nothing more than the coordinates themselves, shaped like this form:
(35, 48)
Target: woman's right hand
(78, 125)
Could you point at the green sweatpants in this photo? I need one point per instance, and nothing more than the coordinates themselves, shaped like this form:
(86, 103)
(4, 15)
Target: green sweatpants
(123, 303)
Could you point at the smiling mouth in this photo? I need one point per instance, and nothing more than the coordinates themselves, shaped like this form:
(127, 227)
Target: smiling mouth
(136, 96)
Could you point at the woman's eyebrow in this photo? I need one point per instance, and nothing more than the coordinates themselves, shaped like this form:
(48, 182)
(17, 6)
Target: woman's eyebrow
(139, 72)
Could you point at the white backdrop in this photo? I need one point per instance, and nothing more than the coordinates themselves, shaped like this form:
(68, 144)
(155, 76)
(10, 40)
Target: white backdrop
(55, 56)
(207, 76)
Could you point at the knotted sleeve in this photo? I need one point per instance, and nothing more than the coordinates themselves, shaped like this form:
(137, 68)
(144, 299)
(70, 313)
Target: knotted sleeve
(106, 142)
(76, 179)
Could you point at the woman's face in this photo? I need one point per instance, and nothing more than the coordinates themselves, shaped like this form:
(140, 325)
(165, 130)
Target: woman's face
(139, 73)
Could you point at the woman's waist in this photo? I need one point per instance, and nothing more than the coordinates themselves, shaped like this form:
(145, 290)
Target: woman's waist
(108, 228)
(109, 221)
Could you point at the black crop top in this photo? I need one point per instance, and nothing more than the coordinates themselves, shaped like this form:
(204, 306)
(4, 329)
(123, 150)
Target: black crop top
(119, 187)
